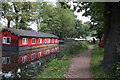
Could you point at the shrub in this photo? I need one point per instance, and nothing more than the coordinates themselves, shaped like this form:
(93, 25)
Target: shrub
(97, 57)
(75, 48)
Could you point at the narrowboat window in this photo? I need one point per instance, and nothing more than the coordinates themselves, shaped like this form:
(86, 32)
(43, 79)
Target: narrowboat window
(56, 41)
(33, 40)
(33, 56)
(52, 50)
(45, 52)
(24, 59)
(6, 40)
(40, 54)
(48, 40)
(48, 51)
(45, 40)
(5, 60)
(40, 40)
(24, 41)
(52, 40)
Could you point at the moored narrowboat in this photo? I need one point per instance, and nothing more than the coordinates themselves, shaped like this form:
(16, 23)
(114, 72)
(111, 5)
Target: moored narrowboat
(18, 39)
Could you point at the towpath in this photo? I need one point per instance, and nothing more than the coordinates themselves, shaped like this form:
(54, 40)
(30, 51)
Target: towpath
(80, 65)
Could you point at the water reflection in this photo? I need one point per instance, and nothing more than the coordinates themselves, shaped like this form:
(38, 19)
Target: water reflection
(29, 63)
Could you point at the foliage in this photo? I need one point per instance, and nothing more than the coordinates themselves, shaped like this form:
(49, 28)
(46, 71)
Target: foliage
(82, 29)
(96, 12)
(60, 20)
(1, 27)
(55, 69)
(6, 12)
(18, 12)
(97, 57)
(75, 48)
(57, 20)
(115, 69)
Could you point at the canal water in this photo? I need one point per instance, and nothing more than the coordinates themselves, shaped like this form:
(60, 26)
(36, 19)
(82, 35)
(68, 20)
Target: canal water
(28, 63)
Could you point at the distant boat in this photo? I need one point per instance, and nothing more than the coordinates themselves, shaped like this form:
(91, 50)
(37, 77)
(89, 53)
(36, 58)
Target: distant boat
(61, 42)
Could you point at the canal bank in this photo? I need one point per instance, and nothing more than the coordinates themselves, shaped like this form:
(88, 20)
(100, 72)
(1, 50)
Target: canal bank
(58, 67)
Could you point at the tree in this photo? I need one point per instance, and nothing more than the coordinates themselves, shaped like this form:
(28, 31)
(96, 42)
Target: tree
(24, 13)
(57, 20)
(104, 17)
(21, 13)
(112, 34)
(6, 13)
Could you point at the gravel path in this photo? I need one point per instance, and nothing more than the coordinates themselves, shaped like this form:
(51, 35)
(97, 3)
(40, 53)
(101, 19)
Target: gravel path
(80, 66)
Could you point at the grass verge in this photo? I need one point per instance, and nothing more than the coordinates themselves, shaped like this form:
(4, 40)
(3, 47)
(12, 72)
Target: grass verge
(97, 57)
(55, 69)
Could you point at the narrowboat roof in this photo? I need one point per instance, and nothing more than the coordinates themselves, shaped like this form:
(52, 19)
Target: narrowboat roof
(30, 33)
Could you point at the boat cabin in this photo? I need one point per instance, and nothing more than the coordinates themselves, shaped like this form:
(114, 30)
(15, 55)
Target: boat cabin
(18, 39)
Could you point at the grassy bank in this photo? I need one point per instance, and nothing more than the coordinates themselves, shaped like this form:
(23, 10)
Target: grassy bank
(97, 57)
(57, 68)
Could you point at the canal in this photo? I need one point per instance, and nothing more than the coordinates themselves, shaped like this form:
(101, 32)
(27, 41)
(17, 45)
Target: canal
(28, 63)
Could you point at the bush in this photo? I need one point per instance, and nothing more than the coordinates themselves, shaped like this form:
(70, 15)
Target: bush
(97, 57)
(116, 69)
(75, 48)
(111, 72)
(84, 45)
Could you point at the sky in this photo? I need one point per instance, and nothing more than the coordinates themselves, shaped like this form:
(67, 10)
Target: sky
(82, 18)
(34, 25)
(79, 14)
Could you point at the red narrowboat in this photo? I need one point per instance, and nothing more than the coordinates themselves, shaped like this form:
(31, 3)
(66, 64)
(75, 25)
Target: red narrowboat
(18, 39)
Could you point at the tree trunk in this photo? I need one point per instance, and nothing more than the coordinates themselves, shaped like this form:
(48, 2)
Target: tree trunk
(16, 21)
(38, 24)
(112, 36)
(8, 24)
(16, 16)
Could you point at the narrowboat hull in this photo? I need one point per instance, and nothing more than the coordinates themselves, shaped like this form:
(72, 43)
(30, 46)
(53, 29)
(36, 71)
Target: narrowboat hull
(20, 48)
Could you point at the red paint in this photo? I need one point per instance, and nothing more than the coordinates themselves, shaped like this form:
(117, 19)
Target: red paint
(13, 63)
(14, 38)
(101, 43)
(17, 41)
(29, 40)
